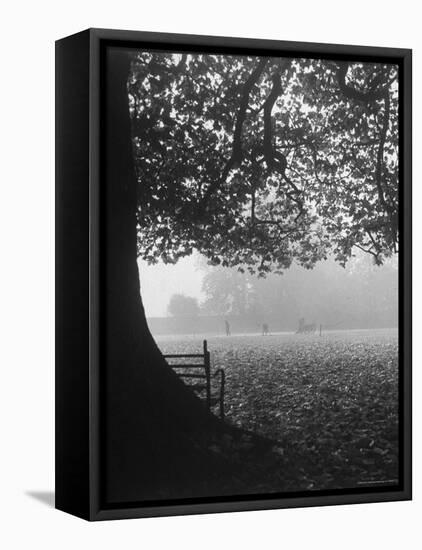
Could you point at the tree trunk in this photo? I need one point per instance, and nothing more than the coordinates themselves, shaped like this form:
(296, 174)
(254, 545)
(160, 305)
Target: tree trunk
(155, 431)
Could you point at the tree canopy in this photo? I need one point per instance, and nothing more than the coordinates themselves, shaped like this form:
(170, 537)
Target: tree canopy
(259, 162)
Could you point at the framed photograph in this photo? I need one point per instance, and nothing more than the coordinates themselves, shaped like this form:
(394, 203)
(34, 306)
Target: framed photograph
(233, 274)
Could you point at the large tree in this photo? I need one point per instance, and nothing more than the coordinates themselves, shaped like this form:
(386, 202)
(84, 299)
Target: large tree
(255, 162)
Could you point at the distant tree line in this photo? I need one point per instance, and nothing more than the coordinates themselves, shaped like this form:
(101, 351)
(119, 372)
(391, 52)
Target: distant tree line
(361, 294)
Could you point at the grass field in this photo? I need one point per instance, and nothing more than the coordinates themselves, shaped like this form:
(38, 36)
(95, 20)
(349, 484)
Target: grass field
(330, 402)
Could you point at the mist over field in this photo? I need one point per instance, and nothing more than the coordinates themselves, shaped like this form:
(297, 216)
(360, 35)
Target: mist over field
(359, 295)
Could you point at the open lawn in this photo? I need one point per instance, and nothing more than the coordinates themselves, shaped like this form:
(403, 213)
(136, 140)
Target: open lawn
(330, 402)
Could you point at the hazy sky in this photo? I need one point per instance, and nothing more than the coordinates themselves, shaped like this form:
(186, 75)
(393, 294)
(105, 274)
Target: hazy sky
(160, 281)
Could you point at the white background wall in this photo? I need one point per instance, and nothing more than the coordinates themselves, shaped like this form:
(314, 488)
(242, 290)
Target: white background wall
(27, 36)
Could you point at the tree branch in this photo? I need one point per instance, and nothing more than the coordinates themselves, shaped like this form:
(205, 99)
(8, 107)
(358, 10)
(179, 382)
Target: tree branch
(357, 95)
(367, 251)
(380, 152)
(268, 134)
(274, 159)
(236, 156)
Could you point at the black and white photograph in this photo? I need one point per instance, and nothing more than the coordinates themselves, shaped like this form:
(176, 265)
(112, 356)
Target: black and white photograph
(209, 233)
(210, 227)
(250, 251)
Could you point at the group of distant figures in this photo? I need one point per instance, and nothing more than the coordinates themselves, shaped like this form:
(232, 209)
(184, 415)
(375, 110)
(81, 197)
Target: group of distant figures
(265, 329)
(304, 328)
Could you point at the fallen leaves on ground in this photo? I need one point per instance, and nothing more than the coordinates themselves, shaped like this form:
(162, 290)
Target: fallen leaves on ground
(330, 402)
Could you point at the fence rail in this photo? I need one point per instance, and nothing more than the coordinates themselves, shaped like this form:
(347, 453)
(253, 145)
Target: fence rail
(206, 366)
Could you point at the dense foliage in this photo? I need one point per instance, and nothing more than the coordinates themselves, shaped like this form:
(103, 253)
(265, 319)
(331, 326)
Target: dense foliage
(257, 162)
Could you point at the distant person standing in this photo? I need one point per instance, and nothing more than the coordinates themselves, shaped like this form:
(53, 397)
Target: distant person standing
(265, 329)
(227, 327)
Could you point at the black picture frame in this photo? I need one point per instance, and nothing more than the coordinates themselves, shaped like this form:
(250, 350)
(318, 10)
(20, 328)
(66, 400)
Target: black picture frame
(79, 74)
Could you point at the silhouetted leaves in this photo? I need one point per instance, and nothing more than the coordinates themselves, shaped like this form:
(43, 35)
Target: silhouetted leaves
(332, 194)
